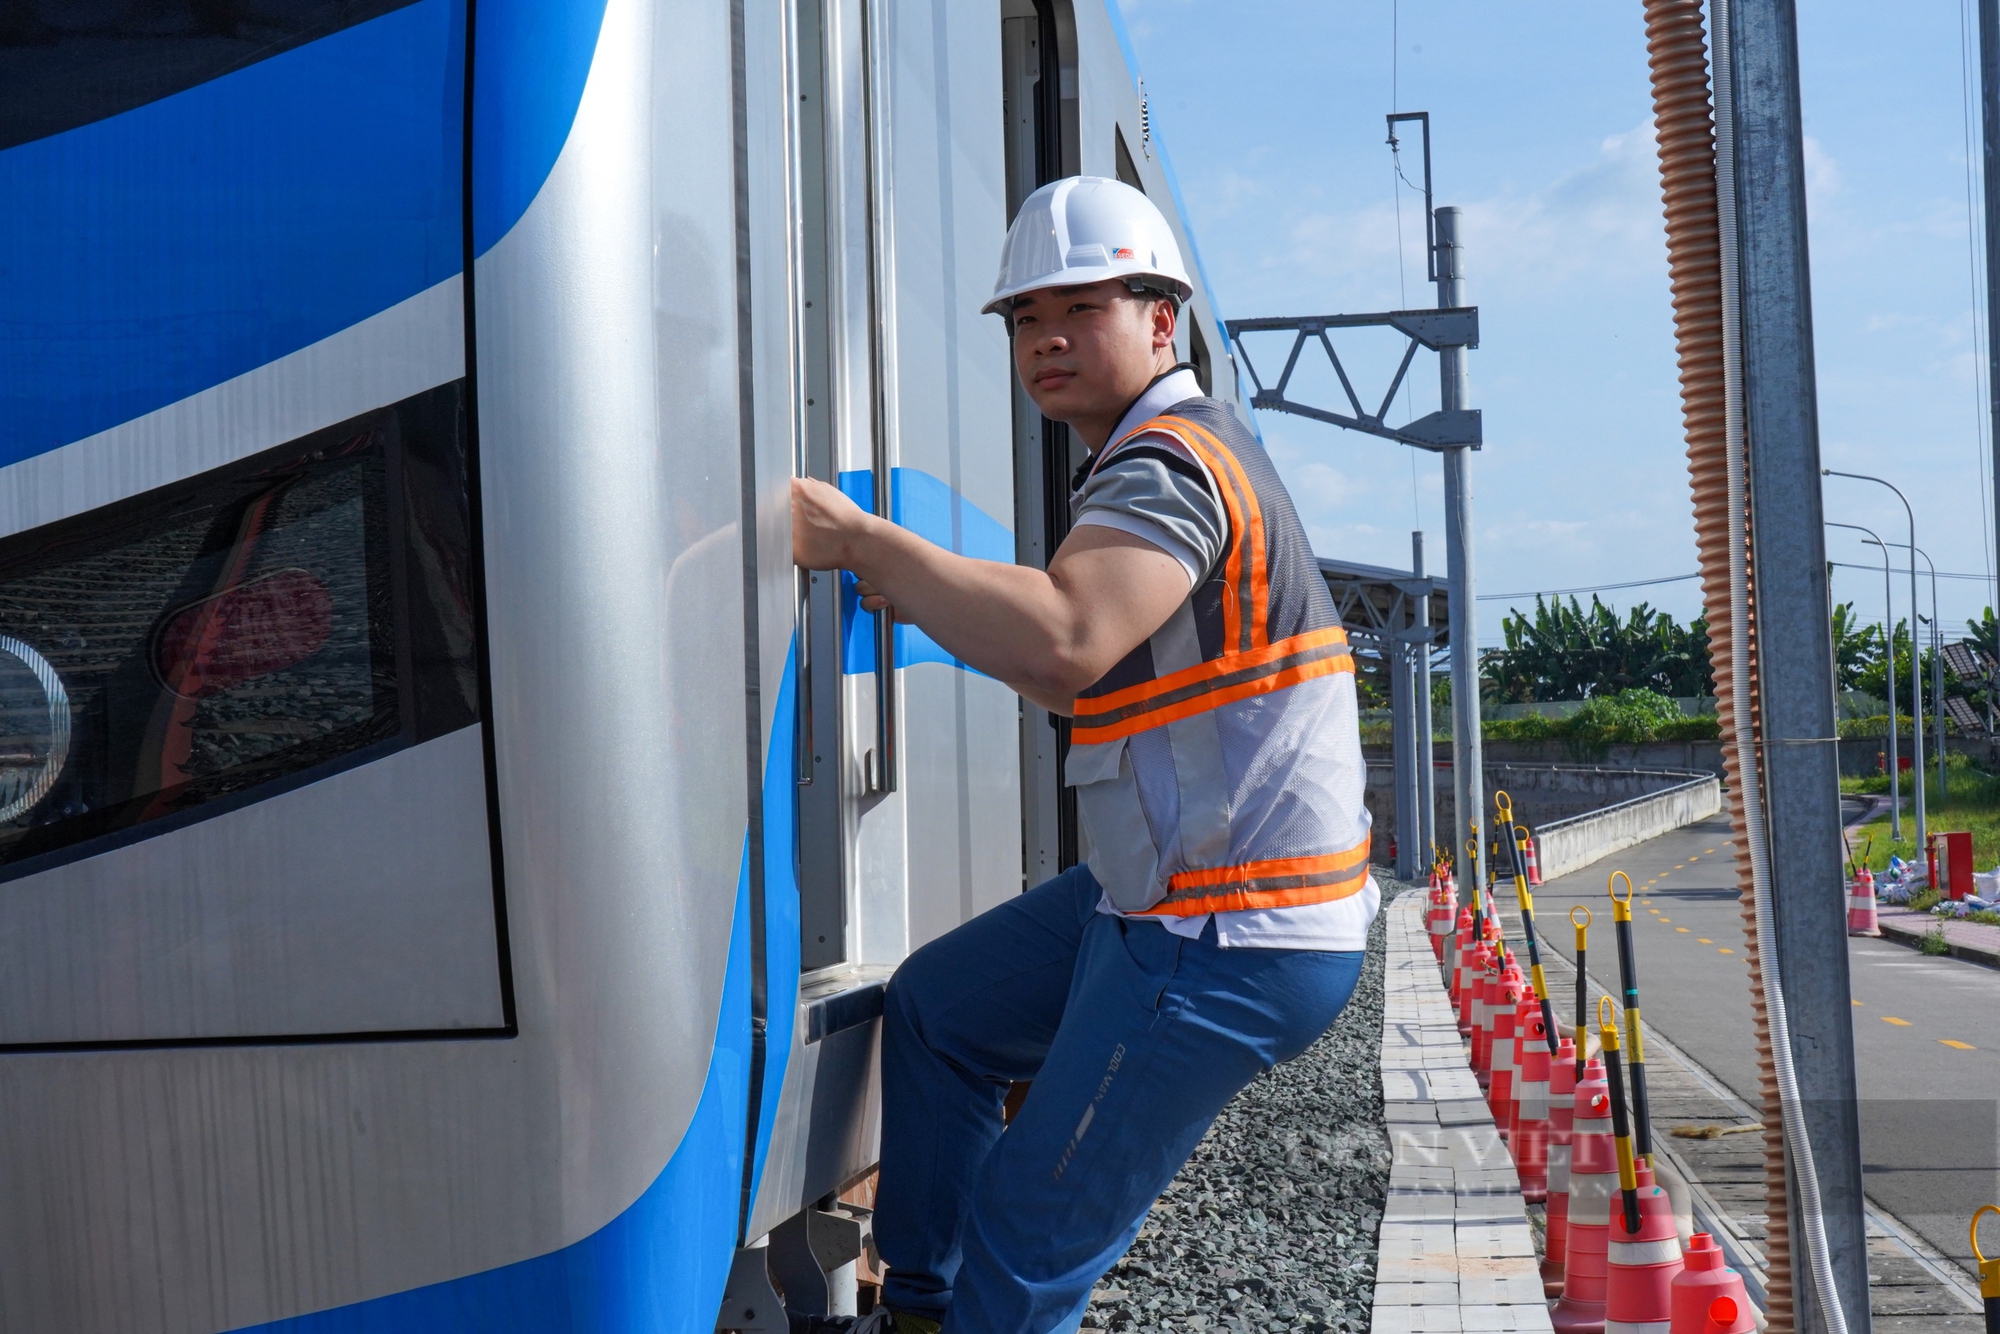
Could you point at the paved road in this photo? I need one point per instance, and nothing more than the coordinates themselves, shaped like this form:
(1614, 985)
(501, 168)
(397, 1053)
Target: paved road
(1926, 1030)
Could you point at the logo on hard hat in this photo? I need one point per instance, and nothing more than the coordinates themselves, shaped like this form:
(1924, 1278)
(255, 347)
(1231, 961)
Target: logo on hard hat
(1122, 252)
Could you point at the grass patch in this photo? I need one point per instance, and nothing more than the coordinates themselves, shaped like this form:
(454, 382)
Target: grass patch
(1971, 804)
(1925, 901)
(1934, 943)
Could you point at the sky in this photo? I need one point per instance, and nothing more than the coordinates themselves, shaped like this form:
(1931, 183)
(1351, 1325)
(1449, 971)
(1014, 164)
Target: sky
(1272, 117)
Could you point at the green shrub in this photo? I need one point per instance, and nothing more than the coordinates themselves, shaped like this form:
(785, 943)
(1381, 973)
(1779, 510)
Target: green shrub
(1934, 943)
(1985, 917)
(1533, 727)
(1924, 900)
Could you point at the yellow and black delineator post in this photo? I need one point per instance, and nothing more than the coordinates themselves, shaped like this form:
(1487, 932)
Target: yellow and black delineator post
(1478, 899)
(1582, 981)
(1517, 863)
(1989, 1271)
(1621, 1122)
(1628, 977)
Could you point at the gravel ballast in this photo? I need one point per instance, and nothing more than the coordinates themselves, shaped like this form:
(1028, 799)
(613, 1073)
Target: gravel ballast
(1272, 1223)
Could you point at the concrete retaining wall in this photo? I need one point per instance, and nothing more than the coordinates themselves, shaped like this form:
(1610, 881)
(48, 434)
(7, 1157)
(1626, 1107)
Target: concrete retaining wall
(1542, 793)
(1569, 845)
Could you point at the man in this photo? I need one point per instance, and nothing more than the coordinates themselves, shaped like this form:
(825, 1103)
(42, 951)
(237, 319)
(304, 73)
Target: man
(1217, 926)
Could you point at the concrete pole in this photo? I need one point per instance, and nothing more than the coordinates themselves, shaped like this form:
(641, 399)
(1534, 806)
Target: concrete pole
(1426, 766)
(1403, 750)
(1989, 99)
(1801, 780)
(1468, 781)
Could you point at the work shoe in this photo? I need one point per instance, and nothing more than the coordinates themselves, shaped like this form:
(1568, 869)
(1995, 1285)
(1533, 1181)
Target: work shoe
(879, 1321)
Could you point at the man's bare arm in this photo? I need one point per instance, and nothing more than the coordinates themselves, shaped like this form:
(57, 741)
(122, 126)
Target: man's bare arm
(1047, 635)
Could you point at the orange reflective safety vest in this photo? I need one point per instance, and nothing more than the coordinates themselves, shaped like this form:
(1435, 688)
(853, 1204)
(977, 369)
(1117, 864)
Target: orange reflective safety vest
(1218, 766)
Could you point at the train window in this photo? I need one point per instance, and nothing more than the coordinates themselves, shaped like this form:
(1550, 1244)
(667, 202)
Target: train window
(62, 66)
(178, 653)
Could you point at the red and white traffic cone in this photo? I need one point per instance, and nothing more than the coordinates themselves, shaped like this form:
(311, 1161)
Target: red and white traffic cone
(1642, 1265)
(1534, 863)
(1530, 1140)
(1593, 1181)
(1461, 958)
(1476, 957)
(1439, 921)
(1708, 1296)
(1502, 1050)
(1861, 905)
(1562, 1107)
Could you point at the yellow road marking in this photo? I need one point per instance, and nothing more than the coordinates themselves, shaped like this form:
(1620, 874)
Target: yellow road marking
(1683, 930)
(1891, 1019)
(1666, 921)
(1704, 940)
(1696, 856)
(1724, 949)
(1962, 1046)
(1680, 866)
(1857, 1002)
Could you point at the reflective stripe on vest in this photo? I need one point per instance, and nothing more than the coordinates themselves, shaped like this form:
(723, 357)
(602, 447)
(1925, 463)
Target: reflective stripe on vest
(1667, 1250)
(1280, 883)
(1250, 664)
(1590, 1197)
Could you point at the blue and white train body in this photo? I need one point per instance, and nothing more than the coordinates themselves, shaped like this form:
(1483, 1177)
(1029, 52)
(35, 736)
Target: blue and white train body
(450, 857)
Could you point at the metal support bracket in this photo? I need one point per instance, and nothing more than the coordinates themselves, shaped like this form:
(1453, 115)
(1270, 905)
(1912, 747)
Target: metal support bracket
(1435, 330)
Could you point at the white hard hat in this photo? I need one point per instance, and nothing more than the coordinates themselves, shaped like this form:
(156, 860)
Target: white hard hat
(1084, 229)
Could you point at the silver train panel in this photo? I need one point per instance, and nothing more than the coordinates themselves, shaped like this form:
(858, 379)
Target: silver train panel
(412, 346)
(609, 429)
(224, 930)
(188, 1191)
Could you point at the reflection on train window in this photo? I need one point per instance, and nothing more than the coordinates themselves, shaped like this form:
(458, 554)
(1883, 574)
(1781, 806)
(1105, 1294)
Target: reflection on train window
(305, 609)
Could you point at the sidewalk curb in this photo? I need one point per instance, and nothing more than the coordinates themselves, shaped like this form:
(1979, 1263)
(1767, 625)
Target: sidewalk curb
(1905, 931)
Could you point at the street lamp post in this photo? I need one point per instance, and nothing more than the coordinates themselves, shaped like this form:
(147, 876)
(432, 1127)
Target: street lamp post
(1889, 658)
(1916, 675)
(1937, 666)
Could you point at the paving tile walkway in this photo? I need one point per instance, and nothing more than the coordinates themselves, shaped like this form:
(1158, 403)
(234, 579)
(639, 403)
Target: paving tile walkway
(1456, 1254)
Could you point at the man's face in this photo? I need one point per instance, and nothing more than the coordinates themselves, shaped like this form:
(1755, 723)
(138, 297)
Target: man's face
(1084, 353)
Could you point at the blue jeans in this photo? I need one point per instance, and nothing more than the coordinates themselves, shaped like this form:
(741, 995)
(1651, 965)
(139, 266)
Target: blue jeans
(1135, 1039)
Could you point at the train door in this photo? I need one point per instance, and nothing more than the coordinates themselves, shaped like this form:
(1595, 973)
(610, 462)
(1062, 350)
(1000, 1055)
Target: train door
(847, 772)
(850, 838)
(1039, 81)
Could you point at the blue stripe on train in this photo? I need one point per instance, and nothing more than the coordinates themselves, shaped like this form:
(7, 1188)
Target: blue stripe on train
(928, 507)
(661, 1265)
(531, 60)
(156, 253)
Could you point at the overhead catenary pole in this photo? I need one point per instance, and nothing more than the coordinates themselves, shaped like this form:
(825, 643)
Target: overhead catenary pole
(1427, 776)
(1989, 99)
(1800, 781)
(1468, 784)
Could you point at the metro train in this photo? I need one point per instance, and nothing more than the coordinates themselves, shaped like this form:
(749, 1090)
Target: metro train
(452, 858)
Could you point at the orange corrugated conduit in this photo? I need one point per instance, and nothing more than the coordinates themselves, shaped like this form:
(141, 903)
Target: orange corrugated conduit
(1678, 55)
